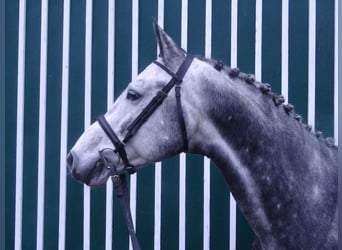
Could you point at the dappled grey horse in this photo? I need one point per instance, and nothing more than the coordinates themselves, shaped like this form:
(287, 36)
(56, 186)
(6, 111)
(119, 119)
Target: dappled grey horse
(282, 174)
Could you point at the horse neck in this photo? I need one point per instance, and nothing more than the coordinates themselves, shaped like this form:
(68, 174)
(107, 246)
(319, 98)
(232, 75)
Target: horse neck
(260, 150)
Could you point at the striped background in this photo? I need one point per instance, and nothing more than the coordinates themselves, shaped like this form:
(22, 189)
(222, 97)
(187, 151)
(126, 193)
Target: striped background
(66, 61)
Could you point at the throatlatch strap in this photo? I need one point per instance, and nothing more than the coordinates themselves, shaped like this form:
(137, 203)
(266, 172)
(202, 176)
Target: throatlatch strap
(181, 118)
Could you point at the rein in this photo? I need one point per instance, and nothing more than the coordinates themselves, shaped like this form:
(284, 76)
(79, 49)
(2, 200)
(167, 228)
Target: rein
(119, 178)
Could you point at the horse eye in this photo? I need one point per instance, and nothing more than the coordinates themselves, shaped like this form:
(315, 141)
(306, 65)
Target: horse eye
(132, 95)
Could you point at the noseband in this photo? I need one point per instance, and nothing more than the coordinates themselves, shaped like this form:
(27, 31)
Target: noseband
(157, 100)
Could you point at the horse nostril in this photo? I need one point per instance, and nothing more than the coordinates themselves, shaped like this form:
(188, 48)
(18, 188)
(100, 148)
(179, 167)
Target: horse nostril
(70, 159)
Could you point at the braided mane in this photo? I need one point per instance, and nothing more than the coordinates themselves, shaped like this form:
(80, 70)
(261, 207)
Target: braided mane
(265, 88)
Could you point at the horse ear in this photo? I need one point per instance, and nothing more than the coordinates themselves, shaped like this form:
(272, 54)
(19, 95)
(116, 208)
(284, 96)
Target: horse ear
(171, 54)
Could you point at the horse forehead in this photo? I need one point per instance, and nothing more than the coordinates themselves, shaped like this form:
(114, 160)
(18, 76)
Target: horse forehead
(151, 74)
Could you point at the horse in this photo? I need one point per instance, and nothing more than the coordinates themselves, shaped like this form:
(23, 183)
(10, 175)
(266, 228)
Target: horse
(281, 172)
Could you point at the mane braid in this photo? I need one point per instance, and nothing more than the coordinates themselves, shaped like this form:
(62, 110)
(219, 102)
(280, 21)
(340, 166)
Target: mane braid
(265, 88)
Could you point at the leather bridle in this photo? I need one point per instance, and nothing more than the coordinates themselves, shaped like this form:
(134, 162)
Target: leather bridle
(119, 177)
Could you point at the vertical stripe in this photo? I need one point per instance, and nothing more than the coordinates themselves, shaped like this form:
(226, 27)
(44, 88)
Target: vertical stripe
(157, 206)
(206, 176)
(64, 124)
(161, 13)
(182, 200)
(184, 25)
(42, 125)
(208, 28)
(87, 116)
(258, 39)
(234, 33)
(312, 63)
(110, 100)
(233, 63)
(206, 204)
(135, 36)
(336, 74)
(158, 165)
(285, 49)
(20, 126)
(182, 156)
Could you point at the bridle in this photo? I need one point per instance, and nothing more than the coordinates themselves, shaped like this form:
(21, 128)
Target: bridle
(119, 177)
(157, 100)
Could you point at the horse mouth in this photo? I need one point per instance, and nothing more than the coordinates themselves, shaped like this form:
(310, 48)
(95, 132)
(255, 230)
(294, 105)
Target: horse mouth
(98, 175)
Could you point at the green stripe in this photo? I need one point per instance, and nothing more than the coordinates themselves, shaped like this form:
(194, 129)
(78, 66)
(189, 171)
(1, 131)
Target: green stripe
(11, 60)
(271, 44)
(74, 205)
(324, 119)
(31, 125)
(298, 56)
(53, 120)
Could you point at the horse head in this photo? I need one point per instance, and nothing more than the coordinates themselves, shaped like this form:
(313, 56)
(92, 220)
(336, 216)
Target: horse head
(158, 136)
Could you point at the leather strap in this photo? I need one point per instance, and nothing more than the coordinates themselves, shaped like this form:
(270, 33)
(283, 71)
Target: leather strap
(121, 191)
(177, 78)
(119, 146)
(181, 118)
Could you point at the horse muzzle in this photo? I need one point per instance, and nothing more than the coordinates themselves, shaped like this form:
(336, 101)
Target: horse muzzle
(96, 174)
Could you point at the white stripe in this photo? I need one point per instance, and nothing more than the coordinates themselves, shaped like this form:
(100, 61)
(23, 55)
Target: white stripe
(161, 13)
(233, 63)
(336, 75)
(234, 33)
(157, 207)
(111, 52)
(158, 165)
(285, 49)
(110, 100)
(135, 36)
(86, 217)
(312, 63)
(206, 205)
(182, 156)
(182, 200)
(20, 127)
(258, 39)
(64, 125)
(42, 125)
(87, 116)
(184, 25)
(232, 222)
(206, 165)
(208, 28)
(135, 51)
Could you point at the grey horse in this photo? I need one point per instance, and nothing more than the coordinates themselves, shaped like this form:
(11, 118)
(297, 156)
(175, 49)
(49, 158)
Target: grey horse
(282, 174)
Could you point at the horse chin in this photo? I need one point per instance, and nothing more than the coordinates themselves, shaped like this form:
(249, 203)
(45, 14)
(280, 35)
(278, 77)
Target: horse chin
(98, 176)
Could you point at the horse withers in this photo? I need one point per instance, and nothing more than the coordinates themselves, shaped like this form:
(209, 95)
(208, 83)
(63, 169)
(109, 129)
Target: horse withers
(282, 174)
